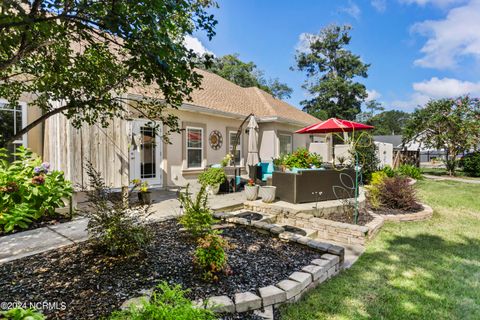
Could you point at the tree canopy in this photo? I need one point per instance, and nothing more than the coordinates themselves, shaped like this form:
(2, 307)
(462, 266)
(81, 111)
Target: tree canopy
(244, 74)
(87, 54)
(449, 124)
(331, 72)
(389, 122)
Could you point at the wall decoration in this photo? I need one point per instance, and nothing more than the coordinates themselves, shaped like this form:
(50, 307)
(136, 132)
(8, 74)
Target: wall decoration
(215, 139)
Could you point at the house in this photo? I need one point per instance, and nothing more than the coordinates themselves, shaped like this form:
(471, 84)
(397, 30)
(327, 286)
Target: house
(129, 149)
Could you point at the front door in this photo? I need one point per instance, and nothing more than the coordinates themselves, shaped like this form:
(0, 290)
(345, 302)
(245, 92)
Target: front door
(146, 153)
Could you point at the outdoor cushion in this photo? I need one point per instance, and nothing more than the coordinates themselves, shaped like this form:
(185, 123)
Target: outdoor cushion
(216, 165)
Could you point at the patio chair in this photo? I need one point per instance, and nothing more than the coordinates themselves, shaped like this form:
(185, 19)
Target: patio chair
(261, 172)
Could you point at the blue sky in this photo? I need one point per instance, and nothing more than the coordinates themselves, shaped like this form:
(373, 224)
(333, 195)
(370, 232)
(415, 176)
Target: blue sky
(418, 49)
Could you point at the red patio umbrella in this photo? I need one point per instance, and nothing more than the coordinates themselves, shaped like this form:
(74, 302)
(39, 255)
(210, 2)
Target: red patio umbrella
(334, 125)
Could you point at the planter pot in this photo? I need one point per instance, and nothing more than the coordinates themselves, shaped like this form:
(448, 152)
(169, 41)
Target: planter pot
(213, 189)
(267, 193)
(145, 197)
(251, 192)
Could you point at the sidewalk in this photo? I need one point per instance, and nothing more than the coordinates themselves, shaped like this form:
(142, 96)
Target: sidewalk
(440, 178)
(165, 206)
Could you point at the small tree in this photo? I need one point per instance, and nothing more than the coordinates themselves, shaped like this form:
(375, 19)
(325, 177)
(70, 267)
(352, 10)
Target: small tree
(88, 54)
(449, 124)
(331, 70)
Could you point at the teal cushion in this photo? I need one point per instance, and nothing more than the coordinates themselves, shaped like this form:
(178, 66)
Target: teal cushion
(266, 176)
(216, 165)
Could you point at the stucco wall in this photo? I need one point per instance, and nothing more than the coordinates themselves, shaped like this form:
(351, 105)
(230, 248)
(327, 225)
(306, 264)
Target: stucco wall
(269, 142)
(176, 171)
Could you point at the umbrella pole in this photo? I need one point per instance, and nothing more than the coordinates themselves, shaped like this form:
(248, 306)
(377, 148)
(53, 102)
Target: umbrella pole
(356, 188)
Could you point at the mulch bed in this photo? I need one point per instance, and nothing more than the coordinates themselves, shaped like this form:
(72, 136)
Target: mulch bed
(93, 285)
(40, 223)
(348, 217)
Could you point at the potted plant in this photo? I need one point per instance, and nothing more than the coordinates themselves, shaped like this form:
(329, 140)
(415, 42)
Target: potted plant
(251, 190)
(212, 179)
(278, 164)
(227, 160)
(144, 194)
(267, 193)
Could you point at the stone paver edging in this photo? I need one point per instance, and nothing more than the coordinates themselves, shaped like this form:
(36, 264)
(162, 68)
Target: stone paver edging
(285, 291)
(425, 214)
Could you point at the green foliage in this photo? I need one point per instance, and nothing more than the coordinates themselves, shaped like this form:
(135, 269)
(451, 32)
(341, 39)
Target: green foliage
(244, 74)
(449, 124)
(21, 314)
(389, 171)
(29, 190)
(389, 122)
(210, 255)
(116, 227)
(331, 72)
(167, 303)
(124, 44)
(373, 188)
(471, 164)
(411, 171)
(365, 151)
(397, 193)
(301, 158)
(212, 176)
(197, 217)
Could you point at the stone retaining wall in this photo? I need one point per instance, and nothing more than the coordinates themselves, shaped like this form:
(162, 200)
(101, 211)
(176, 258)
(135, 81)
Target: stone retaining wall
(308, 217)
(425, 214)
(263, 299)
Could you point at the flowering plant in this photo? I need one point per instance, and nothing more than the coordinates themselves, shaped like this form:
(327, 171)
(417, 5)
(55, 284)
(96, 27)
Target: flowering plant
(251, 183)
(29, 190)
(226, 160)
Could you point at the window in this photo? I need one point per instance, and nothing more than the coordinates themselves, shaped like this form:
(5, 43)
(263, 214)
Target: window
(238, 151)
(12, 119)
(147, 153)
(285, 143)
(194, 147)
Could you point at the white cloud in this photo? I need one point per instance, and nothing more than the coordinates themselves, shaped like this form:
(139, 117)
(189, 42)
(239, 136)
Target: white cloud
(304, 40)
(373, 95)
(196, 45)
(438, 3)
(446, 87)
(415, 100)
(352, 10)
(436, 88)
(451, 39)
(379, 5)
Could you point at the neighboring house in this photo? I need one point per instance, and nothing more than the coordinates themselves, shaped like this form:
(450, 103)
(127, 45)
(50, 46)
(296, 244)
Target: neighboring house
(426, 154)
(128, 149)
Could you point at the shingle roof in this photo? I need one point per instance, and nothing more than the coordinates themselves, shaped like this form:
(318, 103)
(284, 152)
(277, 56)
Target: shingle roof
(396, 140)
(219, 94)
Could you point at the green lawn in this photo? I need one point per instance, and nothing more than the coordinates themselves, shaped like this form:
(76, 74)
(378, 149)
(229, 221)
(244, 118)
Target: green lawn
(412, 270)
(443, 172)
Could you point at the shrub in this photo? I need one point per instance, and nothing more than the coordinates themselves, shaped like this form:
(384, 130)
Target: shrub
(210, 255)
(389, 171)
(197, 217)
(373, 188)
(411, 171)
(471, 164)
(167, 303)
(301, 158)
(366, 152)
(115, 227)
(21, 314)
(397, 193)
(212, 176)
(29, 190)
